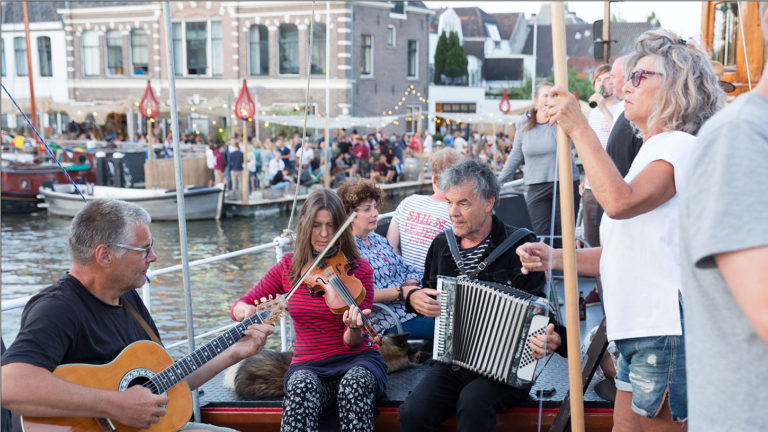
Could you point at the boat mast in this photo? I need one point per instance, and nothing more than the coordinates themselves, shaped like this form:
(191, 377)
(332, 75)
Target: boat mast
(25, 13)
(568, 229)
(180, 194)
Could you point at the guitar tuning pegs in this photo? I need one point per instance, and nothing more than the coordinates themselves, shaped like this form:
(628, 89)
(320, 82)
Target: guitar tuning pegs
(262, 300)
(270, 297)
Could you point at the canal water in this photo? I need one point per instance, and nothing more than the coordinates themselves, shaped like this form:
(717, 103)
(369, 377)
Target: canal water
(34, 254)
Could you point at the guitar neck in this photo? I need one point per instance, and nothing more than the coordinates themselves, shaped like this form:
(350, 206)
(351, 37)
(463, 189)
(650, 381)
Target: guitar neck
(187, 365)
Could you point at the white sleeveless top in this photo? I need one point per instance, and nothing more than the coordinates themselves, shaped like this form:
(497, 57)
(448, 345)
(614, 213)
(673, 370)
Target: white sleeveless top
(640, 265)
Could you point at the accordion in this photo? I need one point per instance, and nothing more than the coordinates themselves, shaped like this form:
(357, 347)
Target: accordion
(484, 327)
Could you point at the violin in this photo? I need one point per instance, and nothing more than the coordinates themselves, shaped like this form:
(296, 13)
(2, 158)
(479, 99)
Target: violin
(340, 290)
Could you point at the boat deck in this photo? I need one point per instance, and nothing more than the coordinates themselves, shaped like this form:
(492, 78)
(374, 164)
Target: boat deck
(220, 405)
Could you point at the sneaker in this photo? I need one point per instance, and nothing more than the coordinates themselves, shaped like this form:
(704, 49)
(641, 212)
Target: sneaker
(592, 298)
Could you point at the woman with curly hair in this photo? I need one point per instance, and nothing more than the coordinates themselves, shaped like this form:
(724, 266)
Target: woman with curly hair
(671, 90)
(392, 277)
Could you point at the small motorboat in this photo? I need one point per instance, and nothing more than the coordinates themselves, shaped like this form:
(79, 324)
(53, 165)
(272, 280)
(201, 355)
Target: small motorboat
(200, 202)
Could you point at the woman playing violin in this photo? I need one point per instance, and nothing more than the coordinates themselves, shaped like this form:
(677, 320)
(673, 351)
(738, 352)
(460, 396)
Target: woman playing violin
(335, 364)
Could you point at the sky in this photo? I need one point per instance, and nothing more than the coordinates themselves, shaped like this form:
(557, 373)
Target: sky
(682, 17)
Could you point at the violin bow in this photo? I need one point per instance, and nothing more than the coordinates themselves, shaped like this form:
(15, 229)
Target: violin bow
(321, 255)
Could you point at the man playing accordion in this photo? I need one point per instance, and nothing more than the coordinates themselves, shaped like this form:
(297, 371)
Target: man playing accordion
(472, 191)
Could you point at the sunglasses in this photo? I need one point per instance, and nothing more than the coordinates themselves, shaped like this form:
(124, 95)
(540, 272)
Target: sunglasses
(137, 249)
(637, 76)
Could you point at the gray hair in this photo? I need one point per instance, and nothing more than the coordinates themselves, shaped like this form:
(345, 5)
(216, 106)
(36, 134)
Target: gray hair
(104, 222)
(484, 182)
(690, 92)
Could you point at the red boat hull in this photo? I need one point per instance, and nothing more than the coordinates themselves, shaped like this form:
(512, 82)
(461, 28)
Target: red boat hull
(267, 419)
(21, 182)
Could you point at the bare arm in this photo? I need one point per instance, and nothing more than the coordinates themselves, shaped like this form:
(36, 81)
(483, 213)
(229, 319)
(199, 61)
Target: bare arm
(652, 187)
(535, 257)
(51, 396)
(746, 274)
(393, 235)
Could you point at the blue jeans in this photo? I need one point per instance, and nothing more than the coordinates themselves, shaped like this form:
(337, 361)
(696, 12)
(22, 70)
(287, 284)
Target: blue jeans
(650, 368)
(420, 327)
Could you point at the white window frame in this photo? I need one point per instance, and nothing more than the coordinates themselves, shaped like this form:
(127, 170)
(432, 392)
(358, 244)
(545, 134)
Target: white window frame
(130, 51)
(391, 34)
(298, 48)
(106, 52)
(415, 117)
(415, 60)
(208, 47)
(250, 30)
(2, 56)
(40, 60)
(373, 62)
(82, 54)
(325, 41)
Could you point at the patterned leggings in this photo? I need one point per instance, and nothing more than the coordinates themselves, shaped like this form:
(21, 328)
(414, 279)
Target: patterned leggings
(307, 395)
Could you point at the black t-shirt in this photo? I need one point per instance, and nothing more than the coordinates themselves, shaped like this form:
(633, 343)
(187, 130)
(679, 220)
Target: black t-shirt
(65, 323)
(623, 145)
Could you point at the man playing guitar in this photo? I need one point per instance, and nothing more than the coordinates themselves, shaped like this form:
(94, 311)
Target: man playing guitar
(91, 315)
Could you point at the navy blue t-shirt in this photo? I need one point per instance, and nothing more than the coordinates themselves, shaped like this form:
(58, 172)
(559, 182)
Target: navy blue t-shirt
(64, 323)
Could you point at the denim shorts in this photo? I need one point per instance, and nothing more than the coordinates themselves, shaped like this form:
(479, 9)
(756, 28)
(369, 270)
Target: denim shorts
(651, 368)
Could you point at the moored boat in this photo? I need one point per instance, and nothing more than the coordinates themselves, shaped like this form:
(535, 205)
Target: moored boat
(200, 202)
(21, 182)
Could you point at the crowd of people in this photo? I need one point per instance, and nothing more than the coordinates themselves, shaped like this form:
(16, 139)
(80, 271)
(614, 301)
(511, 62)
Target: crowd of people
(673, 182)
(280, 163)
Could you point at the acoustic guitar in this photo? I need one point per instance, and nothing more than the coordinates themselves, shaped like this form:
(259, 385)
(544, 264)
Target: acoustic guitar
(146, 363)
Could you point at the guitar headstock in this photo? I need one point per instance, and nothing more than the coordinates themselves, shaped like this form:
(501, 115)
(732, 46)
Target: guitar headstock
(269, 310)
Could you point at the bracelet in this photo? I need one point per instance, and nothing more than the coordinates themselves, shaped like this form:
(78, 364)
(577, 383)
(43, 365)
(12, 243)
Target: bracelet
(354, 328)
(399, 290)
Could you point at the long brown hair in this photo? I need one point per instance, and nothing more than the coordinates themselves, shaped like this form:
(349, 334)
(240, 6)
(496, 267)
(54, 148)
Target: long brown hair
(531, 123)
(319, 200)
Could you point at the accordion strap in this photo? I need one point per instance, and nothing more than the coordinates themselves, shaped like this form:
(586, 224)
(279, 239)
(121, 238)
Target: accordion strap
(454, 247)
(508, 242)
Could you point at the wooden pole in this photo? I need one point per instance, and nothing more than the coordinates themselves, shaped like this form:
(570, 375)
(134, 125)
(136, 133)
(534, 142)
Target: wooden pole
(245, 181)
(149, 139)
(607, 31)
(327, 153)
(25, 13)
(568, 229)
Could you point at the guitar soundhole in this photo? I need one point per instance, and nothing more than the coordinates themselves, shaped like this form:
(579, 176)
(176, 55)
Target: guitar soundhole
(139, 376)
(138, 381)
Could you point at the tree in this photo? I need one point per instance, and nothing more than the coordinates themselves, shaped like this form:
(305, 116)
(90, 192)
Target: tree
(440, 53)
(456, 59)
(450, 60)
(580, 84)
(653, 19)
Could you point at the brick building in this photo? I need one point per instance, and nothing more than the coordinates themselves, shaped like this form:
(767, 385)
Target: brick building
(377, 50)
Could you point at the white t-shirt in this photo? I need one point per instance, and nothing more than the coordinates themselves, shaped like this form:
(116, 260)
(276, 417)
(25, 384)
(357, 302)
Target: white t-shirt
(210, 158)
(305, 158)
(420, 219)
(602, 127)
(275, 165)
(617, 112)
(640, 264)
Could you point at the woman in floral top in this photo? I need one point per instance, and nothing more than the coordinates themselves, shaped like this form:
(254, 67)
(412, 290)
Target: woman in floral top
(392, 277)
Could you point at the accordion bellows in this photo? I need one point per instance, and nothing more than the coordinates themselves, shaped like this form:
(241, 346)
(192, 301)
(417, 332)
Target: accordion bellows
(484, 327)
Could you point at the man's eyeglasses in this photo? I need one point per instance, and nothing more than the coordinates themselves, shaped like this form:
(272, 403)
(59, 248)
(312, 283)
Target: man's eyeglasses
(137, 249)
(637, 76)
